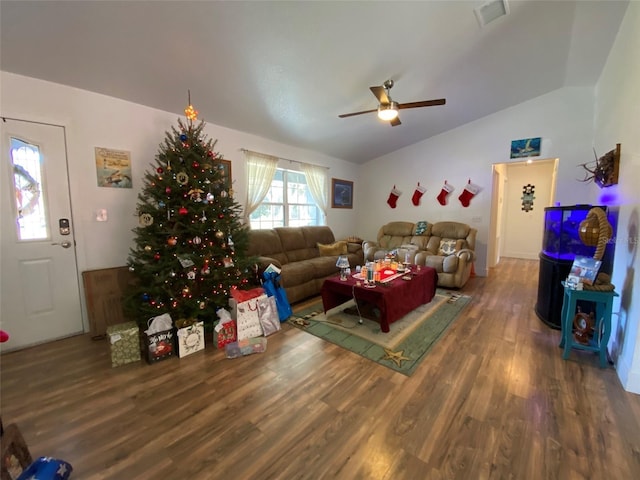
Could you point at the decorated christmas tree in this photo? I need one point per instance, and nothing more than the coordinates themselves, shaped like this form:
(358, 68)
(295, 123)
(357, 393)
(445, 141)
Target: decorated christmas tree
(190, 243)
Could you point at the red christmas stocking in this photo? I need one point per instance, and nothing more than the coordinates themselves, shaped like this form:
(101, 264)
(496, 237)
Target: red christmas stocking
(417, 195)
(393, 197)
(444, 193)
(470, 191)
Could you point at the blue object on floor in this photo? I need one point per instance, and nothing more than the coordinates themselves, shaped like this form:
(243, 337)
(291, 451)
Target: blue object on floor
(47, 468)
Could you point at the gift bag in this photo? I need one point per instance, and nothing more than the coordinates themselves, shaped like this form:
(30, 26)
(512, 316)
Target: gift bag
(225, 330)
(268, 315)
(190, 338)
(248, 321)
(159, 338)
(273, 288)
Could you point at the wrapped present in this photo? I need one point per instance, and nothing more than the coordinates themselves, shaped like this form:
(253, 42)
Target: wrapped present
(124, 341)
(190, 337)
(245, 347)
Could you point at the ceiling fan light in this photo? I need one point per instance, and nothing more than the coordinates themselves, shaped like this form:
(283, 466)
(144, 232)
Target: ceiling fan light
(388, 112)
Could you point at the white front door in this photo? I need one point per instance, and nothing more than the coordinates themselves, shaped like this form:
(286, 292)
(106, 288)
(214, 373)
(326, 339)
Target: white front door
(39, 283)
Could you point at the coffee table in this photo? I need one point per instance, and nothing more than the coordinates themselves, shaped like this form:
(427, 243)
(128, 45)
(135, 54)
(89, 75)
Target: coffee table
(394, 299)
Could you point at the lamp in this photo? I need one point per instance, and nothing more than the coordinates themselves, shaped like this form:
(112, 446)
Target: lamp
(343, 264)
(388, 111)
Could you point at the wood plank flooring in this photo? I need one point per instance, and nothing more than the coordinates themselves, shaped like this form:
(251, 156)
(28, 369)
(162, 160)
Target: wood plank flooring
(492, 400)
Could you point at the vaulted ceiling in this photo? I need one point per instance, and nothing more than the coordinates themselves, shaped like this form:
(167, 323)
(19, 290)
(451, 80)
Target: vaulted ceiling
(286, 70)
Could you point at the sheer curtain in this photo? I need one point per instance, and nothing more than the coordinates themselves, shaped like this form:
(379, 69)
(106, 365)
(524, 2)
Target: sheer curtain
(261, 169)
(317, 182)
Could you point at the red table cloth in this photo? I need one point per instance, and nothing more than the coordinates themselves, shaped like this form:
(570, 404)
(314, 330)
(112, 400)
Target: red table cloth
(394, 299)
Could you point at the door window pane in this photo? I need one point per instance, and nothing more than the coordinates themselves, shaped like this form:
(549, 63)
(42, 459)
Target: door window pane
(31, 220)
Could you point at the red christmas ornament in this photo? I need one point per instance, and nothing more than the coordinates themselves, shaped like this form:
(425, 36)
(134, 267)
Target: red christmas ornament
(156, 257)
(167, 190)
(183, 211)
(195, 164)
(210, 153)
(159, 170)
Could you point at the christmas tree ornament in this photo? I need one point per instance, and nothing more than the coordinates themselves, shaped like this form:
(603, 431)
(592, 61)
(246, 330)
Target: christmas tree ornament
(470, 191)
(145, 297)
(160, 170)
(161, 204)
(393, 197)
(167, 190)
(156, 256)
(182, 178)
(145, 219)
(210, 154)
(183, 211)
(172, 274)
(132, 268)
(172, 241)
(195, 165)
(224, 194)
(417, 194)
(191, 113)
(202, 305)
(191, 275)
(210, 197)
(148, 248)
(197, 240)
(195, 194)
(444, 193)
(203, 218)
(184, 137)
(219, 234)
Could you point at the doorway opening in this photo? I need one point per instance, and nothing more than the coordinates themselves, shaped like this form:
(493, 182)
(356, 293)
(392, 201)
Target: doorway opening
(520, 192)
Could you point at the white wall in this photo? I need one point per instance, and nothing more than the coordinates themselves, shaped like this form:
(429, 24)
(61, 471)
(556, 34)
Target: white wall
(564, 120)
(93, 120)
(618, 121)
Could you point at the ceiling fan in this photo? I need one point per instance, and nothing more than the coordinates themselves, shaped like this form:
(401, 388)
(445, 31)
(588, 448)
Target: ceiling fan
(387, 108)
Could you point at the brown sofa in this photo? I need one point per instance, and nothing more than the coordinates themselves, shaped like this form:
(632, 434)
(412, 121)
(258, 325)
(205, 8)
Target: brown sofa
(449, 247)
(306, 256)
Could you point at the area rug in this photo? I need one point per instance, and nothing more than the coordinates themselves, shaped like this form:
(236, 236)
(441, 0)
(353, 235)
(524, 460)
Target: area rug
(402, 348)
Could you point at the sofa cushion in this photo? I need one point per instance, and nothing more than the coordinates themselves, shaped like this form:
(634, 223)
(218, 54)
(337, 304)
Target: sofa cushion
(447, 246)
(295, 245)
(333, 249)
(421, 228)
(266, 243)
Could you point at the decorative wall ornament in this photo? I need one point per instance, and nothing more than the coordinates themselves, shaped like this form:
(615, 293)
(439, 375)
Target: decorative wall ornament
(604, 171)
(527, 147)
(527, 197)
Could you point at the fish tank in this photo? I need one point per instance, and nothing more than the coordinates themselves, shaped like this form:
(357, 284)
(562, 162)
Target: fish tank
(561, 237)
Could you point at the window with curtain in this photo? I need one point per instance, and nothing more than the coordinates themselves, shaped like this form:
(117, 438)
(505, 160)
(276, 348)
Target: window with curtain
(288, 203)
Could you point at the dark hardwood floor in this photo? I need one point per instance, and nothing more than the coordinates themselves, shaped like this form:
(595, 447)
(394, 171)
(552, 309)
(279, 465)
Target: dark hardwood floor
(493, 399)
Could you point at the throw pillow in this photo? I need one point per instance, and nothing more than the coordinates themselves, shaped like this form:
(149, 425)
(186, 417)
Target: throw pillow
(421, 227)
(447, 247)
(332, 249)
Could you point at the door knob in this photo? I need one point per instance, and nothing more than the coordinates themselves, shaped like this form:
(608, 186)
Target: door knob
(65, 244)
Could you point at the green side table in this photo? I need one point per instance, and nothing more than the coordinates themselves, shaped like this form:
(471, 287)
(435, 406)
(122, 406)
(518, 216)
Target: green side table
(603, 301)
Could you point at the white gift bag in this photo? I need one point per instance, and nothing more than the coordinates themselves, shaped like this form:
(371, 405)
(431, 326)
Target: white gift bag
(248, 321)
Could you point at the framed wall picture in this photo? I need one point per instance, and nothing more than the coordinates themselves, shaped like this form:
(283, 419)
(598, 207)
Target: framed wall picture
(226, 174)
(341, 193)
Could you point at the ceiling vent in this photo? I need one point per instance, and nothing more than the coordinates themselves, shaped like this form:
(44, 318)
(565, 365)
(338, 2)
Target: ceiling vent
(488, 12)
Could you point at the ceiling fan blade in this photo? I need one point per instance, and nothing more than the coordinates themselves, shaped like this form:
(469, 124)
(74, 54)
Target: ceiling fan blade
(380, 93)
(426, 103)
(395, 122)
(345, 115)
